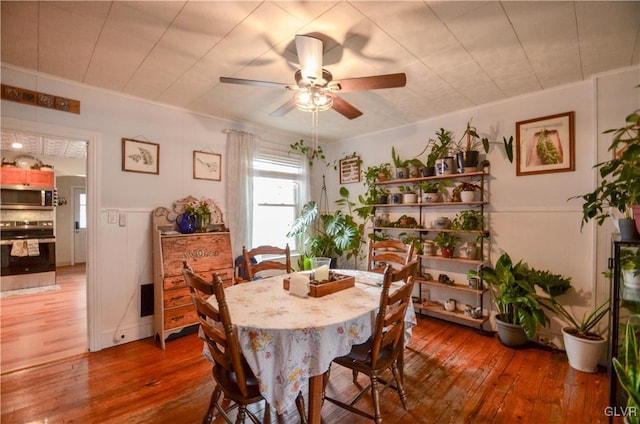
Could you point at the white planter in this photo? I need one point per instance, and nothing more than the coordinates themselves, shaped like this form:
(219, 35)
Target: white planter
(444, 166)
(583, 354)
(467, 196)
(631, 280)
(409, 198)
(430, 197)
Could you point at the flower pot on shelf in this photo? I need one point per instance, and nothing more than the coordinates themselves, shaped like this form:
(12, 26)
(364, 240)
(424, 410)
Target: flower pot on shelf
(628, 229)
(468, 196)
(468, 161)
(583, 354)
(409, 198)
(444, 166)
(447, 252)
(402, 173)
(430, 197)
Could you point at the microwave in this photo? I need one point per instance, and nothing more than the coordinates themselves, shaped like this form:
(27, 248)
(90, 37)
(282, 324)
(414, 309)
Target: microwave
(25, 197)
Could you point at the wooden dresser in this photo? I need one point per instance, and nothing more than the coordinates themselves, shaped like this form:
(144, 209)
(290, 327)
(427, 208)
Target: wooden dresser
(206, 253)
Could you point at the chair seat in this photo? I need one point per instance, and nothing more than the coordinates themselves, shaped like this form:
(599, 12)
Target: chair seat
(229, 384)
(360, 357)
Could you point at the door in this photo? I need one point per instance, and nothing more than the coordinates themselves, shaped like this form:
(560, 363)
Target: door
(80, 225)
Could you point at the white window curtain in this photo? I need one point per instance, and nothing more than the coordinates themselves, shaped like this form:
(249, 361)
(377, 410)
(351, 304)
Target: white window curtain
(241, 150)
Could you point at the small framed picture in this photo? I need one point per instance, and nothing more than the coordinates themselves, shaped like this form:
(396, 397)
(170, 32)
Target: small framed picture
(350, 170)
(140, 156)
(545, 144)
(207, 166)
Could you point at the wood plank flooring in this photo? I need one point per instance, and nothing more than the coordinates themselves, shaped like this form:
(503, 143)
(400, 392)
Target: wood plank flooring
(453, 375)
(44, 327)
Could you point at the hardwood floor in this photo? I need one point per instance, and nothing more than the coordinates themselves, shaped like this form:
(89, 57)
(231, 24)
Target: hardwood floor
(44, 327)
(453, 375)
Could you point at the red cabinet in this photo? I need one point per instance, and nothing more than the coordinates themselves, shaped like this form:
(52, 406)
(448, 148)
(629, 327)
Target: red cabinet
(34, 178)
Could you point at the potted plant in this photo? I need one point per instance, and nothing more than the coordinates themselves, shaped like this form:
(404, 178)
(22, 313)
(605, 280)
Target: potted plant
(465, 192)
(620, 185)
(408, 194)
(400, 165)
(630, 266)
(627, 368)
(581, 342)
(447, 242)
(513, 288)
(431, 190)
(466, 149)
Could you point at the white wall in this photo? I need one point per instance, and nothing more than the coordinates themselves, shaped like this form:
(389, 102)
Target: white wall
(530, 216)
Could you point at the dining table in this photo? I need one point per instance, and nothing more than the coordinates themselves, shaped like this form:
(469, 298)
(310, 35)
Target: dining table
(289, 341)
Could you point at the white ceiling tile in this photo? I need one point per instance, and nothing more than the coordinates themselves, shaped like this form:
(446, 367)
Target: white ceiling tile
(19, 22)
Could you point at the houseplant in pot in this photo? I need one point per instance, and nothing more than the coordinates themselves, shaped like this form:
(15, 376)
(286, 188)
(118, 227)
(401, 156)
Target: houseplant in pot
(465, 192)
(513, 288)
(466, 149)
(408, 194)
(447, 242)
(630, 266)
(432, 191)
(401, 165)
(627, 368)
(581, 342)
(619, 187)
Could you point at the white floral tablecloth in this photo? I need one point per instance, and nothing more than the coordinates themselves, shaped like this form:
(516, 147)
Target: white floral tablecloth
(287, 339)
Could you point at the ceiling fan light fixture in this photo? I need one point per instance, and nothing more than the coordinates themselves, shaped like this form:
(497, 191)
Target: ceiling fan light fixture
(313, 98)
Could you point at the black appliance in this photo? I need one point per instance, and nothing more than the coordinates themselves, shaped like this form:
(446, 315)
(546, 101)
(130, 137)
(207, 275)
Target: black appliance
(28, 254)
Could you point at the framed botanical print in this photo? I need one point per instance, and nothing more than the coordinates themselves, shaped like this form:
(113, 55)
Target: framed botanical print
(207, 166)
(545, 144)
(140, 156)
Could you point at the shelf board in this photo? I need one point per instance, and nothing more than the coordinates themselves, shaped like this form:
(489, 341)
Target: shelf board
(436, 177)
(430, 204)
(438, 311)
(454, 259)
(460, 287)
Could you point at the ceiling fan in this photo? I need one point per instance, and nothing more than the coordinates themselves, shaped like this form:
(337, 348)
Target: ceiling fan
(315, 88)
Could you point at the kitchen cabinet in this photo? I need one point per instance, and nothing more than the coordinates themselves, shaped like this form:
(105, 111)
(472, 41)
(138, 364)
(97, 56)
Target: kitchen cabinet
(625, 305)
(30, 177)
(435, 281)
(206, 253)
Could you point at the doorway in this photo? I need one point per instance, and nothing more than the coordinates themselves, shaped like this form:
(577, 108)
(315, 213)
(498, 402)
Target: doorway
(91, 207)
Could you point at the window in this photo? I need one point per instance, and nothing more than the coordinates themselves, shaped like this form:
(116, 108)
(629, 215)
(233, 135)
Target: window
(277, 182)
(82, 211)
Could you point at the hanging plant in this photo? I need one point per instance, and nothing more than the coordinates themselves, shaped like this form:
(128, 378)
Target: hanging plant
(311, 153)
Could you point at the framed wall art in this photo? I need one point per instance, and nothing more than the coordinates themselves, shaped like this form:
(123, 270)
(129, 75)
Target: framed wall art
(350, 170)
(140, 156)
(545, 144)
(207, 166)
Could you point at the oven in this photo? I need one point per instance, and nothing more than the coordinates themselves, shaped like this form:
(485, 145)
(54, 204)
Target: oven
(28, 254)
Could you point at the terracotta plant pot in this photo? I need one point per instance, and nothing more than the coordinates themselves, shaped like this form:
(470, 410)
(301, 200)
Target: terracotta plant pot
(447, 252)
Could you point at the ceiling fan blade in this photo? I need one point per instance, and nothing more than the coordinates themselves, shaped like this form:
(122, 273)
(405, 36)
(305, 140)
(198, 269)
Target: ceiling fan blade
(372, 83)
(310, 56)
(345, 108)
(257, 83)
(285, 108)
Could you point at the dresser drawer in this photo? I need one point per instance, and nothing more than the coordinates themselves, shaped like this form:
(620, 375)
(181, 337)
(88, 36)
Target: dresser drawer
(202, 253)
(177, 297)
(179, 317)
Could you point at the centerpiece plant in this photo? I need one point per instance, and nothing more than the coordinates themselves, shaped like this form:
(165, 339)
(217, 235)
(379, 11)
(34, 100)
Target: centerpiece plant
(201, 210)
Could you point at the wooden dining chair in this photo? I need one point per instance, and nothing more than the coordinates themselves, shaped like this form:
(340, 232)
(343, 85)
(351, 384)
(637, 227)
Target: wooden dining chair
(197, 285)
(403, 273)
(231, 372)
(253, 266)
(393, 252)
(381, 351)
